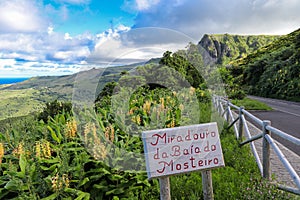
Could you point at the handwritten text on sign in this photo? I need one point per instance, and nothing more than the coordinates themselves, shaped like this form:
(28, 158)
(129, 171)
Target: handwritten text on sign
(182, 149)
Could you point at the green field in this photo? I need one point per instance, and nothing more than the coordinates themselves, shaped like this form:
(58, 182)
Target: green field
(16, 103)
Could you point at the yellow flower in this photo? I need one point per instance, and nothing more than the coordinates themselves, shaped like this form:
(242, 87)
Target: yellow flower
(55, 182)
(181, 107)
(112, 133)
(138, 120)
(86, 131)
(71, 129)
(106, 133)
(1, 152)
(90, 134)
(59, 182)
(96, 139)
(130, 112)
(46, 149)
(47, 152)
(93, 142)
(66, 180)
(19, 150)
(38, 149)
(172, 123)
(147, 106)
(133, 119)
(162, 103)
(99, 151)
(192, 90)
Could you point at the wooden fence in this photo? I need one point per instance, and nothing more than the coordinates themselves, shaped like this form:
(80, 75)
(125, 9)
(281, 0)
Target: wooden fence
(225, 108)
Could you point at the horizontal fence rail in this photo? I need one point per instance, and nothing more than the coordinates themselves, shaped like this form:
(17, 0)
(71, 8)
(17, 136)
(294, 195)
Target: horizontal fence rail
(225, 108)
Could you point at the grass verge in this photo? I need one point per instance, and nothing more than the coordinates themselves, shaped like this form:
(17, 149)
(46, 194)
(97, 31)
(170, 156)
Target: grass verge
(251, 104)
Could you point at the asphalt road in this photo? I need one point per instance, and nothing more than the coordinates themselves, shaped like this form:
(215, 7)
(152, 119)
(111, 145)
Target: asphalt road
(285, 116)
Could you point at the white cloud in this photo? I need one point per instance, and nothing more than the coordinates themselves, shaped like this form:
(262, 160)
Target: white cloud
(140, 5)
(50, 30)
(29, 69)
(121, 27)
(67, 36)
(223, 16)
(146, 4)
(20, 16)
(6, 62)
(71, 56)
(136, 45)
(17, 42)
(43, 53)
(45, 47)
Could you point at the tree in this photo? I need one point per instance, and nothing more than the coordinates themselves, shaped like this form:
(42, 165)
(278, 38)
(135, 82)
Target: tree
(182, 65)
(53, 108)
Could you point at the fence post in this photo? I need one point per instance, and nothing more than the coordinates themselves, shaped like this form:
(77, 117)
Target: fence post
(164, 183)
(227, 114)
(241, 122)
(214, 100)
(266, 150)
(207, 185)
(218, 105)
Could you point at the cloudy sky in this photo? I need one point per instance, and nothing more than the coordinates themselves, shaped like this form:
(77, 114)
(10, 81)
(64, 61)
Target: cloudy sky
(55, 37)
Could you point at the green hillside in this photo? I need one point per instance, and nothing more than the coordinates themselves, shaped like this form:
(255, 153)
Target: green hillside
(15, 103)
(30, 96)
(272, 71)
(225, 47)
(61, 87)
(261, 65)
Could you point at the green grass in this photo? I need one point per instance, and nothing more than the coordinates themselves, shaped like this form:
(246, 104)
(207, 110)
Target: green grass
(16, 103)
(251, 104)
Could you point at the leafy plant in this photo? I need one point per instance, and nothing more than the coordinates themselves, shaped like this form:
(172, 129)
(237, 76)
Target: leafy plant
(53, 108)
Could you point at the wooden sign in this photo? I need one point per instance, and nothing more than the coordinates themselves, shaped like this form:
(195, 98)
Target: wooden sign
(182, 149)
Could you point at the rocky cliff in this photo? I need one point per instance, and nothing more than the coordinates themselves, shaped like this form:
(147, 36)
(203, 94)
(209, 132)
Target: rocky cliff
(225, 48)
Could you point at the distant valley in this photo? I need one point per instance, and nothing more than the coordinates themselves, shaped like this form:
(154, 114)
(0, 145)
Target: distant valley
(30, 96)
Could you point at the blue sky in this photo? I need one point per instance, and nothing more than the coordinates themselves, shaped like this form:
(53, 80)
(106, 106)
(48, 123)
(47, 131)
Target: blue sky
(56, 37)
(94, 16)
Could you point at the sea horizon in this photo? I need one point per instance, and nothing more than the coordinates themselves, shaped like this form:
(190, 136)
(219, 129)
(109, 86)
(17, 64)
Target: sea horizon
(12, 80)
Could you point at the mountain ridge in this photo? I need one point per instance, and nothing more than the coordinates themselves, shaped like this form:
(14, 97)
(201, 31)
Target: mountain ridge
(226, 47)
(272, 71)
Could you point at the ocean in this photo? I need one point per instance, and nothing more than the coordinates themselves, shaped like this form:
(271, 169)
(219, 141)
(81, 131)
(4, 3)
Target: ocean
(11, 80)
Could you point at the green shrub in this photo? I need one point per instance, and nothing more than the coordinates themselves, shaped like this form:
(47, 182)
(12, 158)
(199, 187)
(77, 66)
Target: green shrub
(53, 108)
(237, 94)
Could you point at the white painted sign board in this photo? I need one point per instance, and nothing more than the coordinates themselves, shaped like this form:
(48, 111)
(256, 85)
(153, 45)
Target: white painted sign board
(182, 149)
